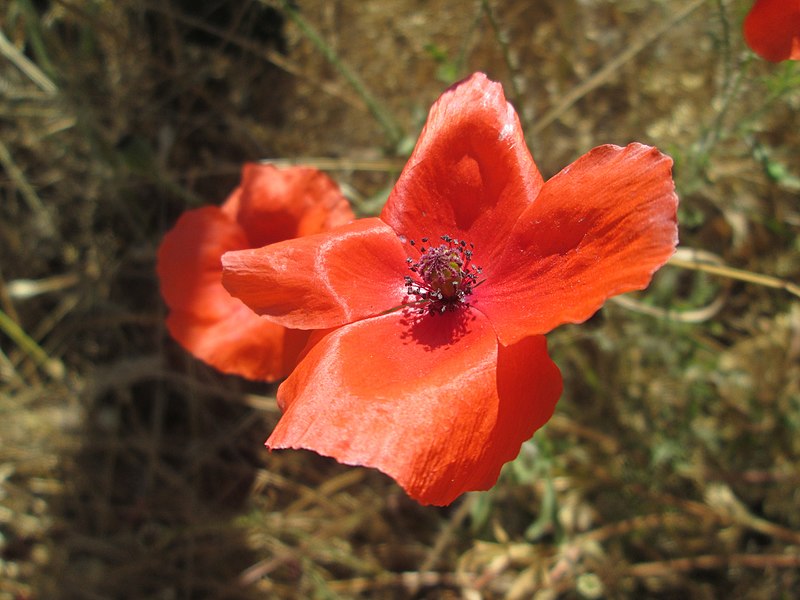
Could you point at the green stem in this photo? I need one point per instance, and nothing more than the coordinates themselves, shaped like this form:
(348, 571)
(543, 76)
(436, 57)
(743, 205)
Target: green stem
(511, 64)
(52, 367)
(392, 129)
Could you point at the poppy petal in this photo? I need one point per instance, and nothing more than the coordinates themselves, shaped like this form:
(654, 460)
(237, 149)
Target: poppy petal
(204, 318)
(240, 344)
(772, 29)
(600, 227)
(274, 204)
(470, 175)
(322, 280)
(188, 264)
(433, 402)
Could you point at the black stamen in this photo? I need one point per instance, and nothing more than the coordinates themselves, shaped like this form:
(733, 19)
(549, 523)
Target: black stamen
(445, 276)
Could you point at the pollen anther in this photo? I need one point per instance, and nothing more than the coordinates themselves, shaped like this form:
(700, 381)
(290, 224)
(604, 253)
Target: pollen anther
(445, 276)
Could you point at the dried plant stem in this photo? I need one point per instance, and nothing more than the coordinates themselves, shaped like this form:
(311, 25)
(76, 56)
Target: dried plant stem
(447, 534)
(410, 580)
(752, 561)
(697, 315)
(127, 372)
(272, 56)
(383, 165)
(26, 189)
(638, 523)
(22, 62)
(696, 263)
(53, 367)
(701, 260)
(22, 289)
(731, 83)
(564, 425)
(601, 76)
(5, 298)
(730, 512)
(502, 40)
(381, 114)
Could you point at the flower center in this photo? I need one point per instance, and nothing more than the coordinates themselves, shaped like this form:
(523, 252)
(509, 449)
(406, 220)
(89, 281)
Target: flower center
(444, 276)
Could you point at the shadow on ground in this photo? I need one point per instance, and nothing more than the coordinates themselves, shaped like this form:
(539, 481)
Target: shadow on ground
(151, 492)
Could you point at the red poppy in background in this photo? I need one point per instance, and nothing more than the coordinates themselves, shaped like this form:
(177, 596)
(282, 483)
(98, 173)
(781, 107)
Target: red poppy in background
(435, 368)
(270, 205)
(772, 29)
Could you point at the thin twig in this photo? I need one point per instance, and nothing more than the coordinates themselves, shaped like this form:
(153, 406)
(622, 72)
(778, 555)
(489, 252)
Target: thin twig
(601, 76)
(564, 425)
(695, 315)
(411, 580)
(447, 533)
(53, 367)
(24, 64)
(5, 298)
(502, 39)
(272, 56)
(22, 289)
(26, 189)
(637, 523)
(127, 372)
(665, 568)
(724, 501)
(731, 86)
(698, 264)
(392, 129)
(383, 165)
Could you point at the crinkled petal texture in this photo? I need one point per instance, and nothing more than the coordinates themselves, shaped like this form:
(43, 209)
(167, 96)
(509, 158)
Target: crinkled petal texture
(600, 227)
(204, 318)
(321, 281)
(470, 175)
(772, 29)
(434, 402)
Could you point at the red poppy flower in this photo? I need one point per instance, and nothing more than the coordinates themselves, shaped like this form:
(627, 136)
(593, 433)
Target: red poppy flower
(772, 29)
(436, 367)
(269, 206)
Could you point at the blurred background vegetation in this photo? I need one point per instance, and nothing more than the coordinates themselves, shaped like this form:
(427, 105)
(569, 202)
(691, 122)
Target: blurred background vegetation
(130, 470)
